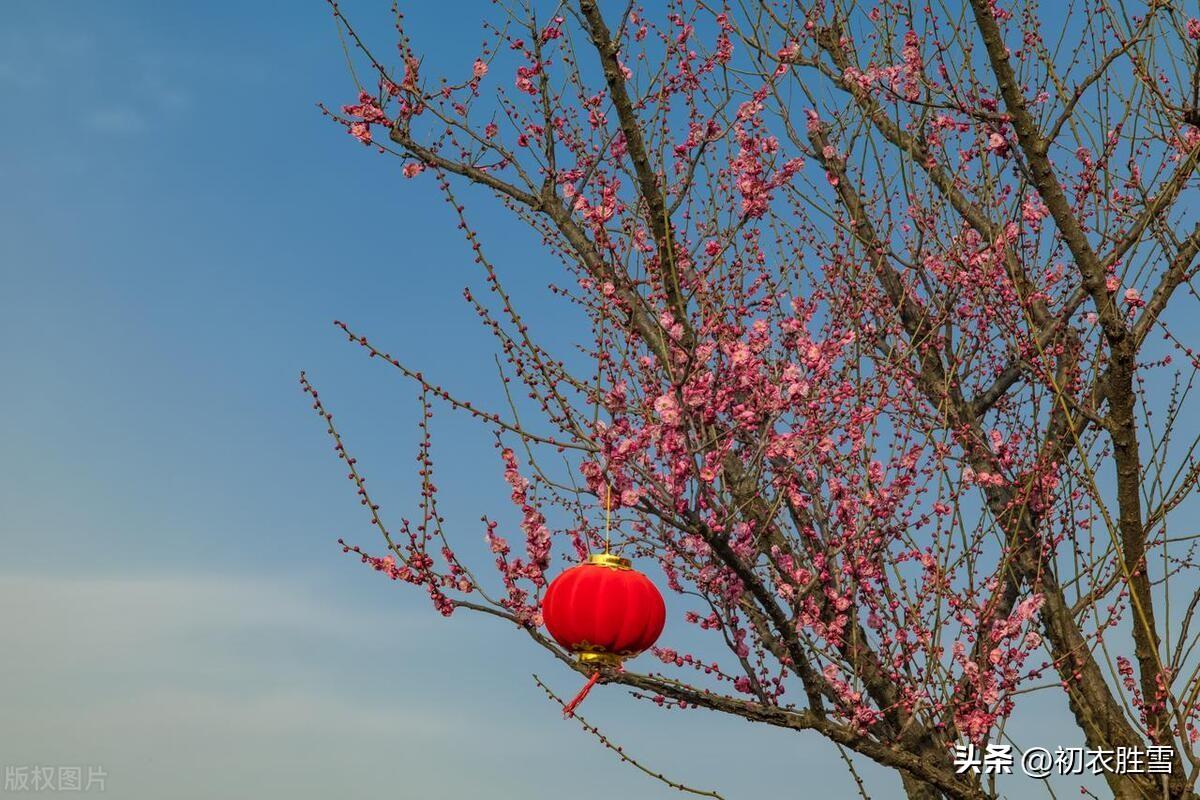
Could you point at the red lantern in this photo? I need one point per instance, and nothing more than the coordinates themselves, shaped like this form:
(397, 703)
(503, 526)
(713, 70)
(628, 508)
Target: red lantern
(604, 611)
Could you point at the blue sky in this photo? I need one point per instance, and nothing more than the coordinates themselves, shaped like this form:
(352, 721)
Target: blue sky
(178, 228)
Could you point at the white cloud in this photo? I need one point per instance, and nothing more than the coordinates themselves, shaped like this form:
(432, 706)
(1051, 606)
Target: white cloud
(203, 686)
(116, 612)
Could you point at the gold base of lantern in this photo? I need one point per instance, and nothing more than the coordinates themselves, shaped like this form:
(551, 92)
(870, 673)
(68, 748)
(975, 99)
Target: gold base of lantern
(595, 659)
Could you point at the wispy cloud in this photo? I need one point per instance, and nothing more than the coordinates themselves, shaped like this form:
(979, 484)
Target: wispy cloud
(116, 120)
(196, 686)
(120, 88)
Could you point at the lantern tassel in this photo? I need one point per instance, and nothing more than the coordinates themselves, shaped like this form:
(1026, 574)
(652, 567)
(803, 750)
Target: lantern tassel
(569, 708)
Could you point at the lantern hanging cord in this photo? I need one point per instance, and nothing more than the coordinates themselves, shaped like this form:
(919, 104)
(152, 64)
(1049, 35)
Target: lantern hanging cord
(569, 708)
(607, 516)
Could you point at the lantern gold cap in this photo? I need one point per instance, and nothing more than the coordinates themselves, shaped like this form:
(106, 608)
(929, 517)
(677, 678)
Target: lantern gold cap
(599, 659)
(608, 560)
